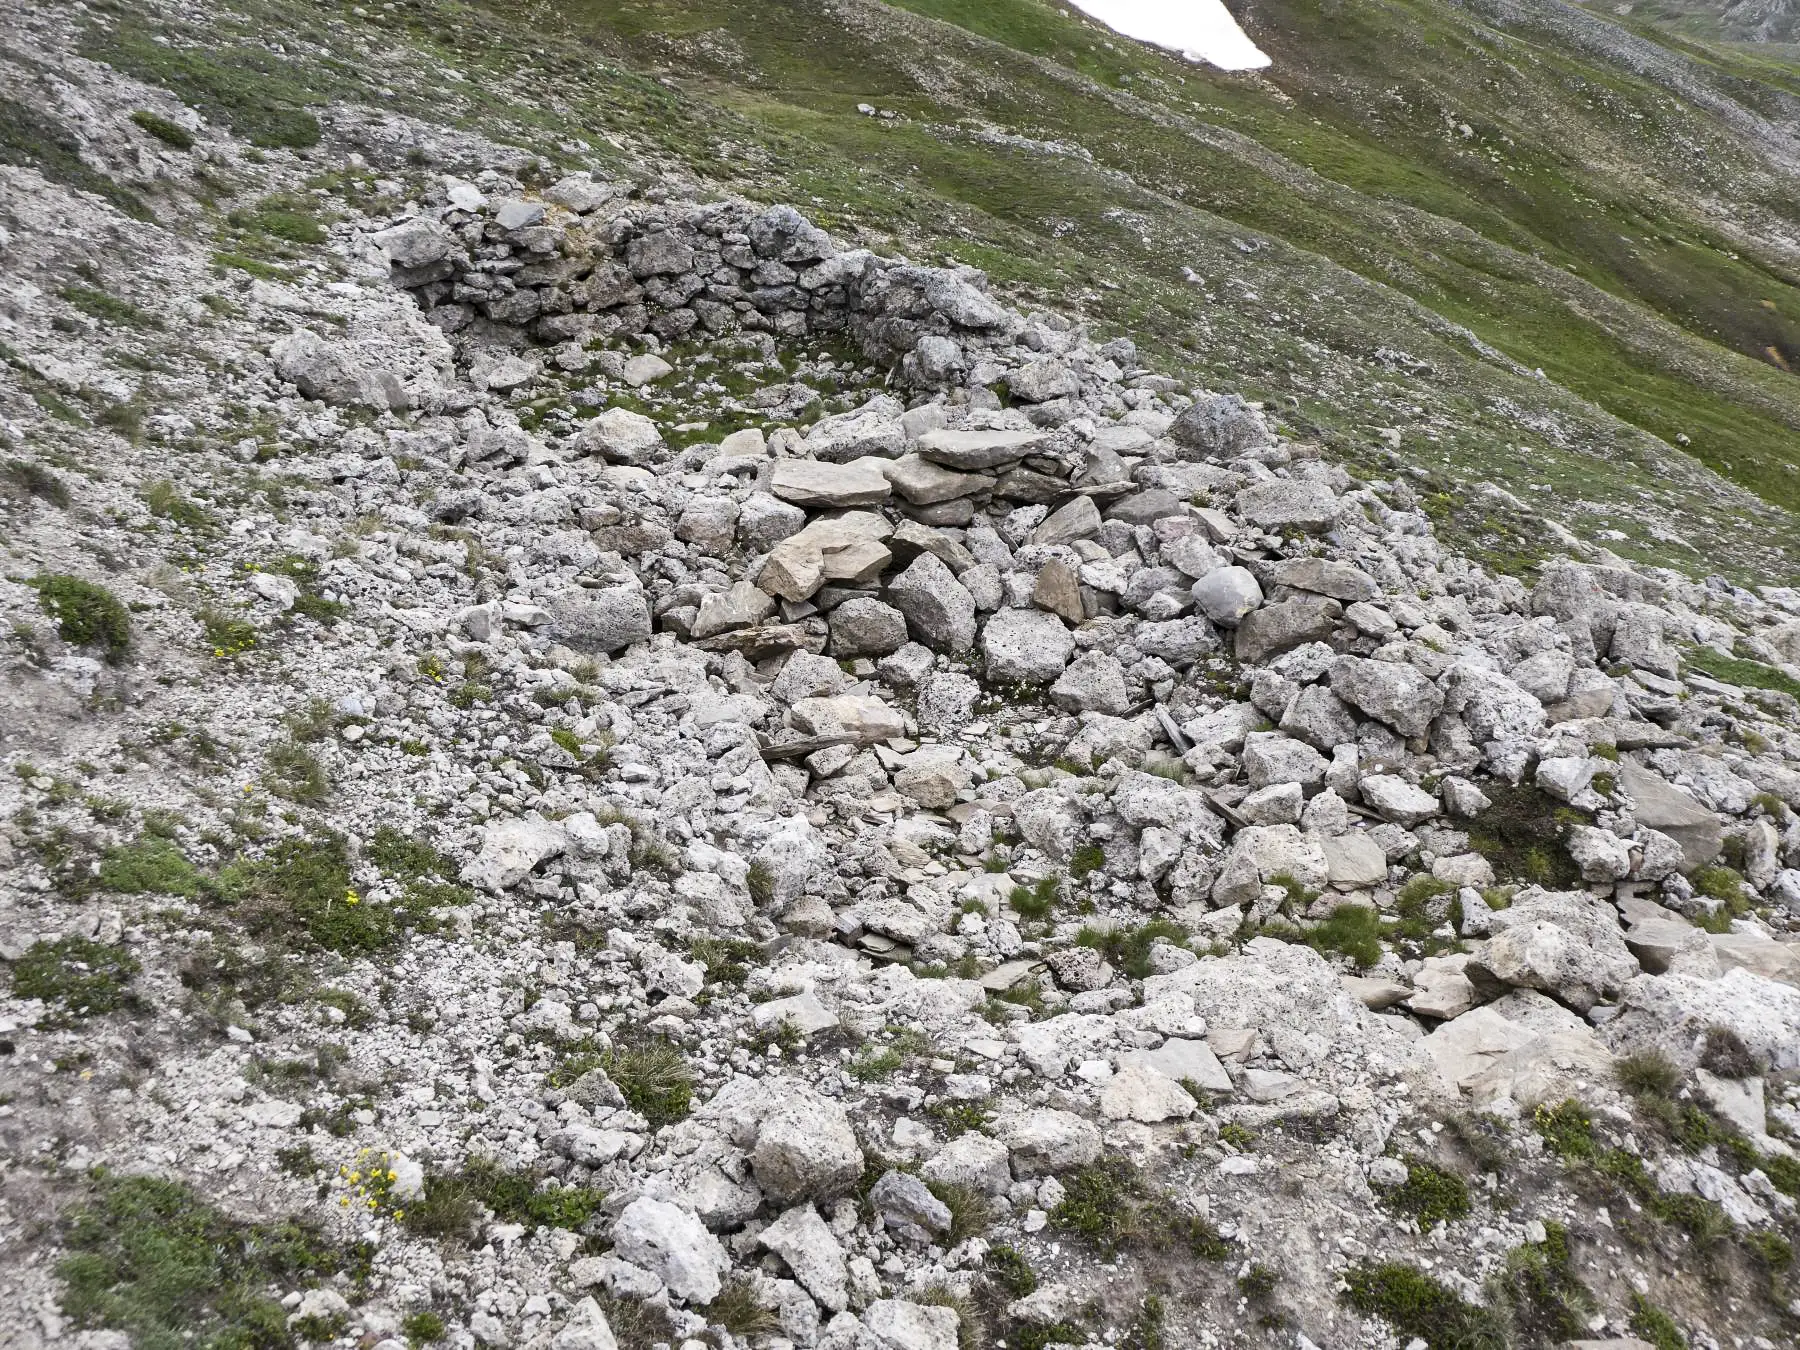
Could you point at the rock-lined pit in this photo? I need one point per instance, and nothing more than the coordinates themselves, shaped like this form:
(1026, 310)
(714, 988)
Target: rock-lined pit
(745, 792)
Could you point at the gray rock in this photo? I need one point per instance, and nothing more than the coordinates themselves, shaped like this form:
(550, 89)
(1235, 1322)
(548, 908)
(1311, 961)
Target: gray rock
(939, 610)
(1227, 594)
(1399, 695)
(1339, 580)
(1672, 812)
(899, 1325)
(972, 1159)
(803, 1240)
(671, 1242)
(621, 436)
(904, 1204)
(866, 627)
(805, 1148)
(1220, 427)
(763, 521)
(605, 620)
(739, 607)
(1563, 943)
(924, 483)
(335, 373)
(1078, 519)
(1397, 800)
(1274, 629)
(1318, 717)
(1284, 503)
(1280, 759)
(819, 486)
(1042, 381)
(1025, 645)
(1095, 682)
(972, 451)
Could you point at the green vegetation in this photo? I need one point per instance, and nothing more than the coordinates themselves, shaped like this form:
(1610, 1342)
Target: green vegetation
(1007, 1267)
(1541, 1290)
(1416, 1305)
(81, 977)
(653, 1075)
(1128, 949)
(300, 892)
(1034, 903)
(1429, 1194)
(1353, 930)
(453, 1202)
(86, 614)
(167, 503)
(1088, 859)
(970, 1213)
(149, 866)
(258, 93)
(1112, 1205)
(1652, 1324)
(169, 133)
(152, 1259)
(422, 1328)
(109, 309)
(1524, 835)
(1740, 671)
(737, 1310)
(227, 635)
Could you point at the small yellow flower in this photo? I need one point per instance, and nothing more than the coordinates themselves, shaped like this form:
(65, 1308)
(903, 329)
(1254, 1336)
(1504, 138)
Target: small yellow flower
(393, 1176)
(399, 1214)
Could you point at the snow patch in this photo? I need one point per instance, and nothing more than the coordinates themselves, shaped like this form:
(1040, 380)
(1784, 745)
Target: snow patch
(1201, 30)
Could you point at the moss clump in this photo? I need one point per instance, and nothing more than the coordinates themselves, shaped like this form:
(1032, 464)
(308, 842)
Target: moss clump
(1429, 1194)
(1416, 1305)
(82, 977)
(1088, 859)
(1524, 834)
(86, 614)
(150, 866)
(169, 133)
(152, 1259)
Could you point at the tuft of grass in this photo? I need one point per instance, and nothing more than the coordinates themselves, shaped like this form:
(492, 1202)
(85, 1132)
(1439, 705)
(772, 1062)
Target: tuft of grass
(737, 1311)
(1429, 1194)
(1540, 1288)
(760, 880)
(294, 772)
(970, 1213)
(1088, 859)
(422, 1328)
(1524, 835)
(167, 503)
(1007, 1267)
(169, 133)
(86, 614)
(1111, 1205)
(300, 892)
(1128, 949)
(958, 1117)
(1417, 1306)
(655, 1078)
(1650, 1073)
(83, 978)
(151, 1258)
(1036, 902)
(1353, 930)
(453, 1201)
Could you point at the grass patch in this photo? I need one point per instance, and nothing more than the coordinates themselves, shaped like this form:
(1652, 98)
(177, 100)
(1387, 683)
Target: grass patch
(1112, 1206)
(737, 1311)
(81, 977)
(452, 1203)
(1543, 1293)
(166, 503)
(1524, 834)
(169, 133)
(292, 771)
(1429, 1194)
(29, 138)
(653, 1075)
(104, 308)
(150, 866)
(152, 1259)
(1739, 671)
(1128, 949)
(1034, 903)
(1651, 1323)
(1415, 1305)
(24, 479)
(1351, 930)
(300, 892)
(86, 614)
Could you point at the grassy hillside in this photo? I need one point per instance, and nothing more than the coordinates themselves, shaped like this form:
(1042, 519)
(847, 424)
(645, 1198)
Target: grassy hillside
(1538, 249)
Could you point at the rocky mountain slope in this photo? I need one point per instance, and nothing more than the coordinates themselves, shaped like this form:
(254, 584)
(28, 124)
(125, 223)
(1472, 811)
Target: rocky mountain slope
(594, 761)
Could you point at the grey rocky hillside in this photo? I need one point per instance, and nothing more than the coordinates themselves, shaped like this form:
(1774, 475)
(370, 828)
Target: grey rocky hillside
(644, 777)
